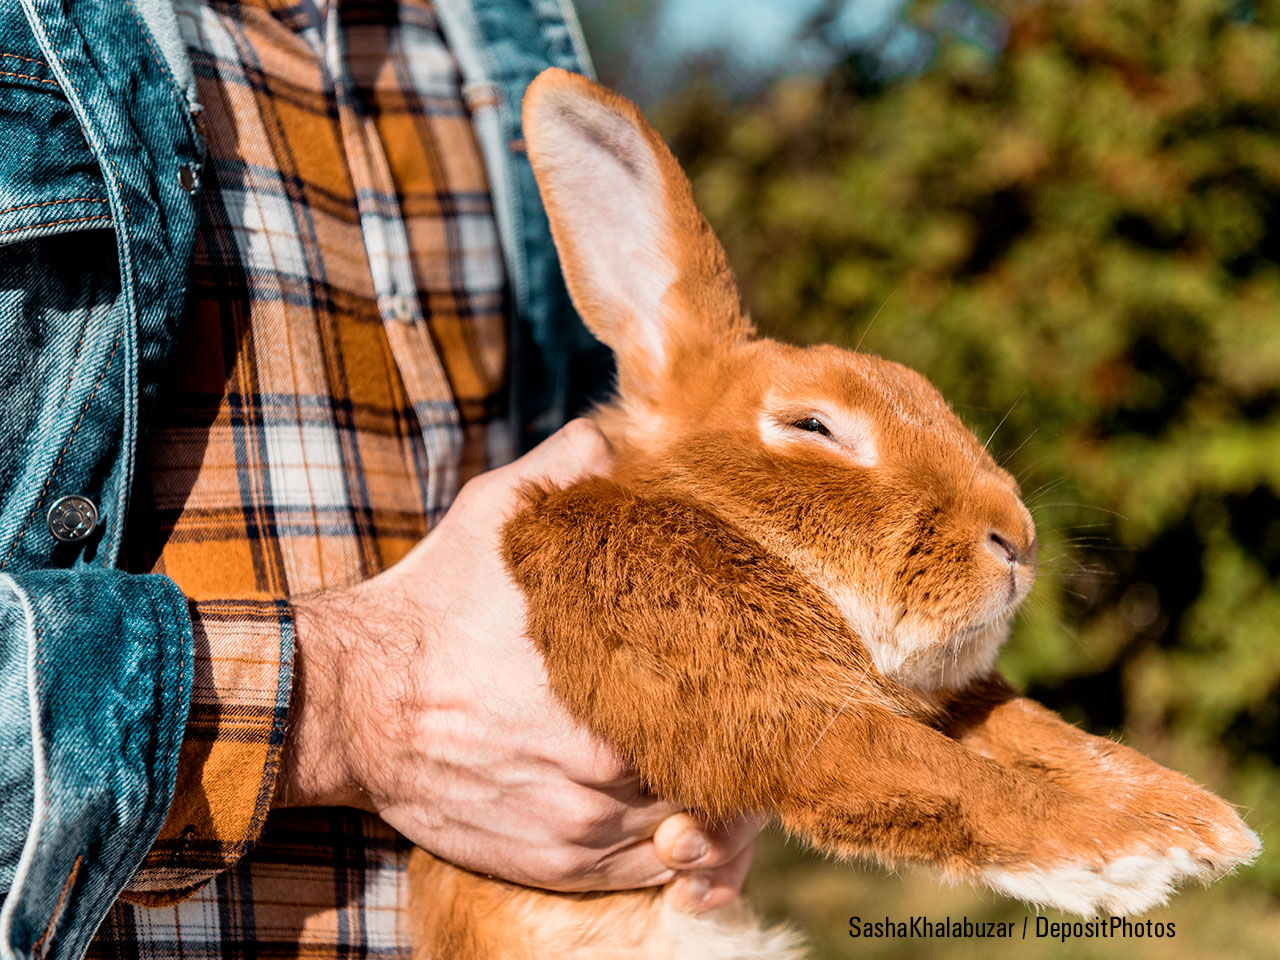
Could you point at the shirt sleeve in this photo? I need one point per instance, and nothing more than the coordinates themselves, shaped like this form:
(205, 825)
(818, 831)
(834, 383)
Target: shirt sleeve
(231, 747)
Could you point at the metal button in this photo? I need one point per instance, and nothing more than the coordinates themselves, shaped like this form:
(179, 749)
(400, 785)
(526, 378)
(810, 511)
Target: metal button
(189, 177)
(401, 309)
(72, 518)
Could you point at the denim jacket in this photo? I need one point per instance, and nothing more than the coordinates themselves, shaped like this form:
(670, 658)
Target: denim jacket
(100, 157)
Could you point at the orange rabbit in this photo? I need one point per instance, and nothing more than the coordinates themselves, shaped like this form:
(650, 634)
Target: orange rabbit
(789, 597)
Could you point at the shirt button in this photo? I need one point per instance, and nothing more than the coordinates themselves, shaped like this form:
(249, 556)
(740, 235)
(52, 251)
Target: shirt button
(189, 177)
(72, 518)
(401, 309)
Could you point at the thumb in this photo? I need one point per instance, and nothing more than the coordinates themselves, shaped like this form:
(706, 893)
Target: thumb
(578, 449)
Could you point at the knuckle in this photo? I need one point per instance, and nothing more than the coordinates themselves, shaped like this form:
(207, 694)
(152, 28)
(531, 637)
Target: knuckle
(481, 494)
(591, 762)
(592, 817)
(584, 430)
(604, 765)
(560, 865)
(472, 491)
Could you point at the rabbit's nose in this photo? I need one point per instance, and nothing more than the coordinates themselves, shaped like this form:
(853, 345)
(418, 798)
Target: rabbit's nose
(1002, 547)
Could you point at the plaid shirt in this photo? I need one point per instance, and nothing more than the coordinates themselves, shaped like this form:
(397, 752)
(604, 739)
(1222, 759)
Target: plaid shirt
(336, 379)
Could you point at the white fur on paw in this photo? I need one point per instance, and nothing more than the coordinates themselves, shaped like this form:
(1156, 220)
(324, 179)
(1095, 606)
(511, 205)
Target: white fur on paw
(1126, 886)
(730, 933)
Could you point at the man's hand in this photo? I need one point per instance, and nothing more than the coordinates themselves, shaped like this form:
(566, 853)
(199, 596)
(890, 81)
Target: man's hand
(417, 696)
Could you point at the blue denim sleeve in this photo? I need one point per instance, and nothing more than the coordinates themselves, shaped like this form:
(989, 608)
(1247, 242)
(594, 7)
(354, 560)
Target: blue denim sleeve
(95, 680)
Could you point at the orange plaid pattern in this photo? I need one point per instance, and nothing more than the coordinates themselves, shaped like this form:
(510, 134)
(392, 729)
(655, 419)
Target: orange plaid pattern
(337, 374)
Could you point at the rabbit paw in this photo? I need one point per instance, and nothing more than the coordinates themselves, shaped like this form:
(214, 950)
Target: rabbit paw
(1133, 878)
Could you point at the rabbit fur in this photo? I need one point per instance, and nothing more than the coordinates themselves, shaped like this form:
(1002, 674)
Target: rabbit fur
(788, 597)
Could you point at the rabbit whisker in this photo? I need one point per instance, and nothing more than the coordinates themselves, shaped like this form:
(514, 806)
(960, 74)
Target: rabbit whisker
(1014, 452)
(858, 346)
(977, 460)
(1044, 487)
(836, 715)
(1082, 506)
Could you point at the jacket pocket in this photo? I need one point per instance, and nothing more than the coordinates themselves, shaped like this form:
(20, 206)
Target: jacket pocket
(50, 182)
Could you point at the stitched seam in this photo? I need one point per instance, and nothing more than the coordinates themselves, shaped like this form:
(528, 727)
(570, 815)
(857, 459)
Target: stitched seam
(175, 90)
(146, 35)
(51, 203)
(14, 56)
(54, 223)
(54, 472)
(110, 159)
(38, 947)
(75, 359)
(26, 76)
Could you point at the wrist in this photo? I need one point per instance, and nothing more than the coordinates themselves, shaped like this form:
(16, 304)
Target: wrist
(315, 768)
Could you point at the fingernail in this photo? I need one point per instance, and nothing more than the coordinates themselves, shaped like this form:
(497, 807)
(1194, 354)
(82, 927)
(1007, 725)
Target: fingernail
(690, 846)
(695, 890)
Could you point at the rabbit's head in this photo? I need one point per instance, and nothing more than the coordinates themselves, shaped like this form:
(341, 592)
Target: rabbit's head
(851, 467)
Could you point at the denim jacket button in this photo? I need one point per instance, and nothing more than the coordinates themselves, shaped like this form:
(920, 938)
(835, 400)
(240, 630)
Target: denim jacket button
(72, 518)
(189, 177)
(401, 309)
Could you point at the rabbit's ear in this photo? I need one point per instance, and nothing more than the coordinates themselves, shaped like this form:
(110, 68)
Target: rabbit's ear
(643, 267)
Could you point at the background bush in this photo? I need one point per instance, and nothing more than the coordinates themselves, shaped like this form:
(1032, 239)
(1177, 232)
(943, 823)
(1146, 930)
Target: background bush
(1075, 233)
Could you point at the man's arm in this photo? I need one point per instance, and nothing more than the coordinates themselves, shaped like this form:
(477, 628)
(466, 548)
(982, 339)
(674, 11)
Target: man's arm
(416, 696)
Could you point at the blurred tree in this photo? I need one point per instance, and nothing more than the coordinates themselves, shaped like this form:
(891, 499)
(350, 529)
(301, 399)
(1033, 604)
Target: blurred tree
(1075, 232)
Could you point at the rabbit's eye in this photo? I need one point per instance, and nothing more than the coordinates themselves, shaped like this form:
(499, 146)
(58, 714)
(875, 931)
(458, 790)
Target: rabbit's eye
(812, 425)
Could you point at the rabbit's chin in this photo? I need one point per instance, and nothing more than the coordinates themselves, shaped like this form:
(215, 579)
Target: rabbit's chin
(931, 664)
(919, 653)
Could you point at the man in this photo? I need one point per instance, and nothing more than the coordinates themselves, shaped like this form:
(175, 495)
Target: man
(241, 390)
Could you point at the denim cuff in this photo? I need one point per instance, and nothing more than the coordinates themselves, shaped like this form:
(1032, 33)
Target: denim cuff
(93, 702)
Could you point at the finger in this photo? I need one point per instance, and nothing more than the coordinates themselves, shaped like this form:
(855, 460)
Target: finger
(578, 449)
(608, 819)
(685, 843)
(589, 761)
(639, 816)
(711, 889)
(626, 868)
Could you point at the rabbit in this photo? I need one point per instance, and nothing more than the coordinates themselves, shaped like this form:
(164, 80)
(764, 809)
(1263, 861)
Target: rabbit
(788, 597)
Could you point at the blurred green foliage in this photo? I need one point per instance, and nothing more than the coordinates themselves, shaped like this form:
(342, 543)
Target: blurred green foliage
(1077, 238)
